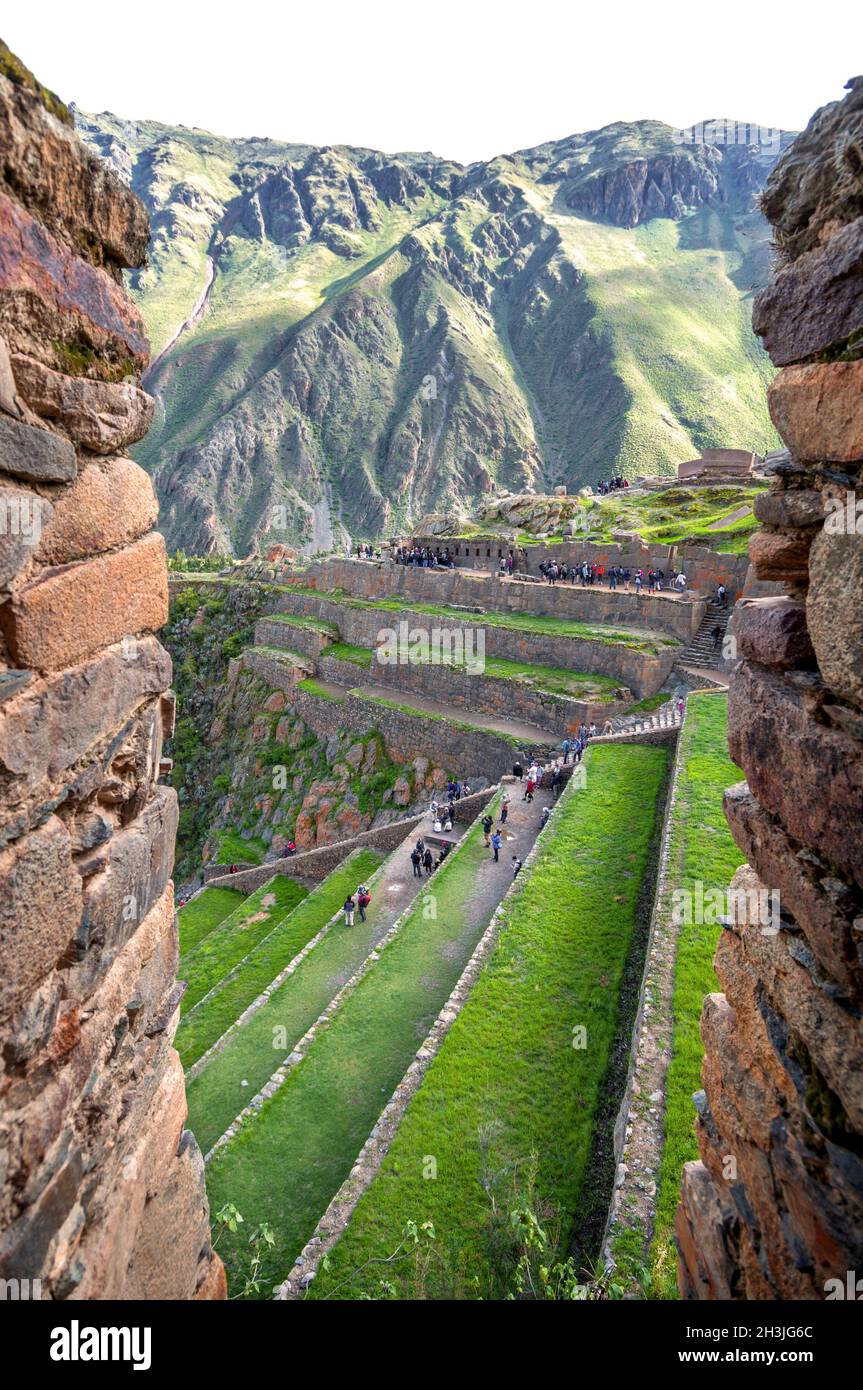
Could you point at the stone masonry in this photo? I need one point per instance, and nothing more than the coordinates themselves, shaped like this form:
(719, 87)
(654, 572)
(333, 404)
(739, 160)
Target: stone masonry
(774, 1210)
(101, 1186)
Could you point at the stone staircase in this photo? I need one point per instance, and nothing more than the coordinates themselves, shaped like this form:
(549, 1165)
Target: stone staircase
(701, 651)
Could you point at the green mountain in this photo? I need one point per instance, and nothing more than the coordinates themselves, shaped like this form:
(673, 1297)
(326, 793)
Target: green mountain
(344, 340)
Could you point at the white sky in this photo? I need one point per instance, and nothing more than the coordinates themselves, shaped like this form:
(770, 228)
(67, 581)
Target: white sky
(465, 80)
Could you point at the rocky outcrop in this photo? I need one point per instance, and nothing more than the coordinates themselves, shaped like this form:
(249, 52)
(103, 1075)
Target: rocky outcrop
(774, 1209)
(101, 1187)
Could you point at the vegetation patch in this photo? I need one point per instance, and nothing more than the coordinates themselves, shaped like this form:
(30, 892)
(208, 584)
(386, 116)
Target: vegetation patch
(221, 949)
(285, 1166)
(217, 1092)
(312, 687)
(204, 912)
(508, 1109)
(701, 851)
(234, 848)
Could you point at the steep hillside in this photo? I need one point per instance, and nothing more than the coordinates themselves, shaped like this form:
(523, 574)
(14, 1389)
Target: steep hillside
(344, 339)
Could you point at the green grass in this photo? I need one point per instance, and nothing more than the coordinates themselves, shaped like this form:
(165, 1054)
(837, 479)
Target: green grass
(345, 651)
(313, 687)
(542, 623)
(226, 944)
(285, 1166)
(206, 1024)
(234, 848)
(673, 515)
(303, 620)
(508, 1068)
(206, 911)
(701, 850)
(648, 705)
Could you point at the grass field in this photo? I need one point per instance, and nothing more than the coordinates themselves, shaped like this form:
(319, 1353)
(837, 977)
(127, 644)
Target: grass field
(247, 1057)
(701, 850)
(206, 911)
(285, 1166)
(509, 1082)
(223, 947)
(235, 849)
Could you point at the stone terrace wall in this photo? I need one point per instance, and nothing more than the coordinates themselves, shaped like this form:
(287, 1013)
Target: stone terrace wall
(642, 672)
(102, 1192)
(775, 1207)
(508, 699)
(677, 617)
(314, 866)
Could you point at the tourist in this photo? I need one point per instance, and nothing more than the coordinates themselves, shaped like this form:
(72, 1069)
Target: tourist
(528, 791)
(543, 820)
(516, 866)
(518, 771)
(364, 897)
(607, 728)
(504, 808)
(349, 911)
(496, 842)
(721, 595)
(592, 731)
(416, 860)
(717, 632)
(680, 706)
(556, 783)
(566, 745)
(487, 823)
(428, 861)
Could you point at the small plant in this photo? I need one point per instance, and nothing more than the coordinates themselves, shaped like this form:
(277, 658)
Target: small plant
(228, 1218)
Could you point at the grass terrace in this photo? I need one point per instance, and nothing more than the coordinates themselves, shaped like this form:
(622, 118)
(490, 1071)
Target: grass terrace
(722, 516)
(701, 850)
(345, 651)
(234, 848)
(286, 1165)
(217, 1095)
(302, 620)
(404, 708)
(637, 639)
(511, 1103)
(205, 912)
(310, 686)
(223, 947)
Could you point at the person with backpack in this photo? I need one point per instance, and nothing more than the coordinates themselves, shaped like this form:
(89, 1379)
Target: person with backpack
(496, 842)
(428, 860)
(516, 866)
(528, 791)
(487, 823)
(566, 745)
(546, 812)
(349, 911)
(364, 897)
(416, 860)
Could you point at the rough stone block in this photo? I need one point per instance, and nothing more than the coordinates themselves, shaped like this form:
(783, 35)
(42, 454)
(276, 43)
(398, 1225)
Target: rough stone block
(782, 749)
(781, 556)
(792, 507)
(50, 295)
(37, 455)
(834, 612)
(822, 905)
(40, 909)
(818, 410)
(71, 191)
(816, 302)
(66, 615)
(110, 504)
(773, 631)
(48, 726)
(101, 416)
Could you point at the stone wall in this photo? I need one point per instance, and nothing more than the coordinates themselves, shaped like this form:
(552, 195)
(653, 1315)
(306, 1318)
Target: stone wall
(774, 1209)
(314, 866)
(643, 672)
(464, 752)
(477, 694)
(677, 616)
(101, 1186)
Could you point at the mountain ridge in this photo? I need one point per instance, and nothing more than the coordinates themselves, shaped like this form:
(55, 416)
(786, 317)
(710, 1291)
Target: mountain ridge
(372, 336)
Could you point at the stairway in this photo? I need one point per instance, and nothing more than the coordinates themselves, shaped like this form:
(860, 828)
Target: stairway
(701, 650)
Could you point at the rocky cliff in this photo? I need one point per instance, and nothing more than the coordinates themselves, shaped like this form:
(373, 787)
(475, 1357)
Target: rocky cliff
(345, 339)
(101, 1186)
(775, 1207)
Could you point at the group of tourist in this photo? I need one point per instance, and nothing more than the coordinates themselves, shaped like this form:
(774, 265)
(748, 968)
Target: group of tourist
(613, 485)
(423, 557)
(615, 576)
(361, 900)
(365, 552)
(506, 564)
